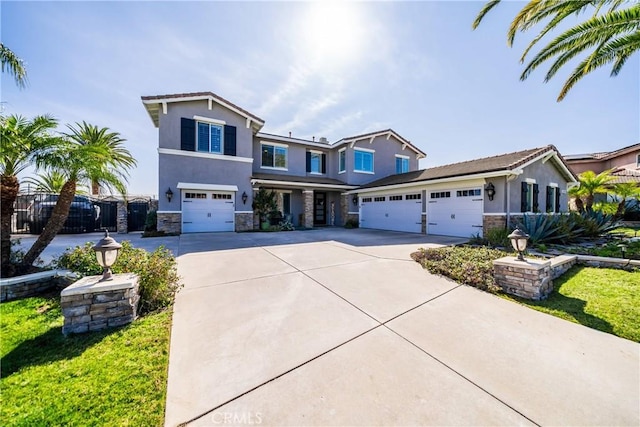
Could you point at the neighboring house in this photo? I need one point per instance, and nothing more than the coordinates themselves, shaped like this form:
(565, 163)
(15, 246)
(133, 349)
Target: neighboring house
(213, 157)
(455, 199)
(624, 163)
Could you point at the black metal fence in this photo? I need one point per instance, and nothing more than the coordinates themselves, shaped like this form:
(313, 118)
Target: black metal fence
(86, 214)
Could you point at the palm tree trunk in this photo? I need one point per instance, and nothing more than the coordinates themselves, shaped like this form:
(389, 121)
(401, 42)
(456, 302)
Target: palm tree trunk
(579, 205)
(589, 204)
(621, 208)
(8, 194)
(55, 223)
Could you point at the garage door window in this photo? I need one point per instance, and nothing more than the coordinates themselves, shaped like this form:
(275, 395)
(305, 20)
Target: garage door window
(395, 198)
(440, 194)
(468, 193)
(195, 195)
(414, 196)
(379, 199)
(217, 196)
(366, 199)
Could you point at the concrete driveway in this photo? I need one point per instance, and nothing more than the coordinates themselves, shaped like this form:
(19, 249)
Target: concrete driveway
(339, 327)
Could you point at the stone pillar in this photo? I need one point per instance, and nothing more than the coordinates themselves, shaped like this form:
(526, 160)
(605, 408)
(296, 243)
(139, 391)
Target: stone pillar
(244, 221)
(170, 222)
(307, 217)
(345, 201)
(423, 227)
(153, 205)
(92, 305)
(530, 279)
(122, 218)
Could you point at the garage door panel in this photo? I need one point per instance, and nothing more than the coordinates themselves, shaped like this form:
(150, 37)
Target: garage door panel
(207, 211)
(455, 215)
(395, 215)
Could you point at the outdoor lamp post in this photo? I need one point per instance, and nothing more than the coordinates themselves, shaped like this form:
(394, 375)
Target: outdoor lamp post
(519, 241)
(244, 197)
(623, 249)
(107, 251)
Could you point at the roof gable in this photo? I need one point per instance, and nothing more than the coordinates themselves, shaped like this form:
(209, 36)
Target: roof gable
(156, 103)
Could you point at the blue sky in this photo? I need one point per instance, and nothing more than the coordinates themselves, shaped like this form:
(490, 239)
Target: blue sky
(315, 69)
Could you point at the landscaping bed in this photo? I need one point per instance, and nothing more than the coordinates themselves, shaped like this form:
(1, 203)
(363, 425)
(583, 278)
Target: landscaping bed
(113, 377)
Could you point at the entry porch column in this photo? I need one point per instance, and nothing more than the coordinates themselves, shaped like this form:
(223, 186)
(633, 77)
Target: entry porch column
(307, 217)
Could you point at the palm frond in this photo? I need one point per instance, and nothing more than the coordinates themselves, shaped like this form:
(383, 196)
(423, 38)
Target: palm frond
(485, 9)
(13, 65)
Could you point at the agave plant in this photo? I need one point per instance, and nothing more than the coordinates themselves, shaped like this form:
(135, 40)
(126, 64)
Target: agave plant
(540, 228)
(598, 223)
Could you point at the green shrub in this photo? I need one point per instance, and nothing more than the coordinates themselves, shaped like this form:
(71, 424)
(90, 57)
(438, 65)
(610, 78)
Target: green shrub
(498, 237)
(151, 223)
(158, 276)
(351, 223)
(286, 225)
(471, 266)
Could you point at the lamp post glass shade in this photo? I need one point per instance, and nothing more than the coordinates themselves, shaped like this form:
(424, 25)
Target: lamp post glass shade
(169, 194)
(107, 251)
(519, 241)
(244, 197)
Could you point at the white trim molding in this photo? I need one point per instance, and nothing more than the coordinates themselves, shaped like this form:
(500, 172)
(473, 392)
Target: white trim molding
(209, 120)
(244, 212)
(368, 150)
(169, 212)
(553, 184)
(206, 187)
(202, 155)
(400, 156)
(303, 184)
(530, 180)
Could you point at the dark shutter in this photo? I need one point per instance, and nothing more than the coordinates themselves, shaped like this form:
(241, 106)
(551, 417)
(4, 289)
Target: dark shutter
(324, 163)
(557, 200)
(230, 140)
(308, 161)
(549, 199)
(188, 135)
(536, 191)
(524, 189)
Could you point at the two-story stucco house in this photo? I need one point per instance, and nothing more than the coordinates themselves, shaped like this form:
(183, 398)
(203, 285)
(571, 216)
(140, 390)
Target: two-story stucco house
(212, 157)
(623, 163)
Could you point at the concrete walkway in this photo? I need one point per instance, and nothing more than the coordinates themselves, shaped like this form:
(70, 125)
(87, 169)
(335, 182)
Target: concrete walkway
(339, 327)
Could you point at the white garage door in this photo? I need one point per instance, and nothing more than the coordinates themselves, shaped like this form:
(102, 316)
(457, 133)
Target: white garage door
(204, 211)
(396, 212)
(455, 212)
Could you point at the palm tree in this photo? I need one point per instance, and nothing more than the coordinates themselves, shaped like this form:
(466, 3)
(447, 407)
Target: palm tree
(88, 154)
(592, 184)
(610, 37)
(23, 142)
(50, 182)
(14, 65)
(625, 190)
(576, 193)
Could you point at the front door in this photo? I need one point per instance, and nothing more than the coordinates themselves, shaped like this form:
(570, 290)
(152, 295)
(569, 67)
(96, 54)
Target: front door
(319, 208)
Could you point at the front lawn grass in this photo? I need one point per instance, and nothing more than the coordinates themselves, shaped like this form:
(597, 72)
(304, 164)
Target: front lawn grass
(113, 377)
(600, 298)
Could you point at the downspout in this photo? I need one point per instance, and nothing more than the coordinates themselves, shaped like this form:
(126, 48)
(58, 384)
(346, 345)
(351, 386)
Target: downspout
(508, 200)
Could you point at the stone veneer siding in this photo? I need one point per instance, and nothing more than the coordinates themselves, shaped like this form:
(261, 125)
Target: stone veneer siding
(490, 222)
(344, 208)
(170, 222)
(90, 305)
(307, 216)
(423, 227)
(244, 221)
(122, 218)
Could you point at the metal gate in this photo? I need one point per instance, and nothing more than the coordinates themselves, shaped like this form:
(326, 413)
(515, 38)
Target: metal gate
(137, 215)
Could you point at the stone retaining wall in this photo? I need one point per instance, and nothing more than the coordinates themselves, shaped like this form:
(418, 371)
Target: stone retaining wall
(33, 284)
(90, 305)
(530, 279)
(170, 222)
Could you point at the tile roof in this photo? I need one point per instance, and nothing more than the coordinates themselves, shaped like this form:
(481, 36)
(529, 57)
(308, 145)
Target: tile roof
(625, 175)
(502, 162)
(604, 155)
(300, 179)
(177, 97)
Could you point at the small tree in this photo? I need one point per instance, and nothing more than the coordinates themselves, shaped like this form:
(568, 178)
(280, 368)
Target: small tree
(264, 202)
(592, 184)
(625, 190)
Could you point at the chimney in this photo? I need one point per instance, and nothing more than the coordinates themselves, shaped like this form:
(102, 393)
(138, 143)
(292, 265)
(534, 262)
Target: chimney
(324, 140)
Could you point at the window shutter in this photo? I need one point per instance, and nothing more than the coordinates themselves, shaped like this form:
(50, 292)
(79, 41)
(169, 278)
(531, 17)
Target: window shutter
(549, 199)
(557, 200)
(308, 161)
(524, 189)
(188, 134)
(324, 163)
(535, 198)
(230, 140)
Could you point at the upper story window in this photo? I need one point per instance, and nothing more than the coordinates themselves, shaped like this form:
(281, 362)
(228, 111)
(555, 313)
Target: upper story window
(363, 161)
(209, 138)
(316, 162)
(274, 156)
(342, 160)
(402, 164)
